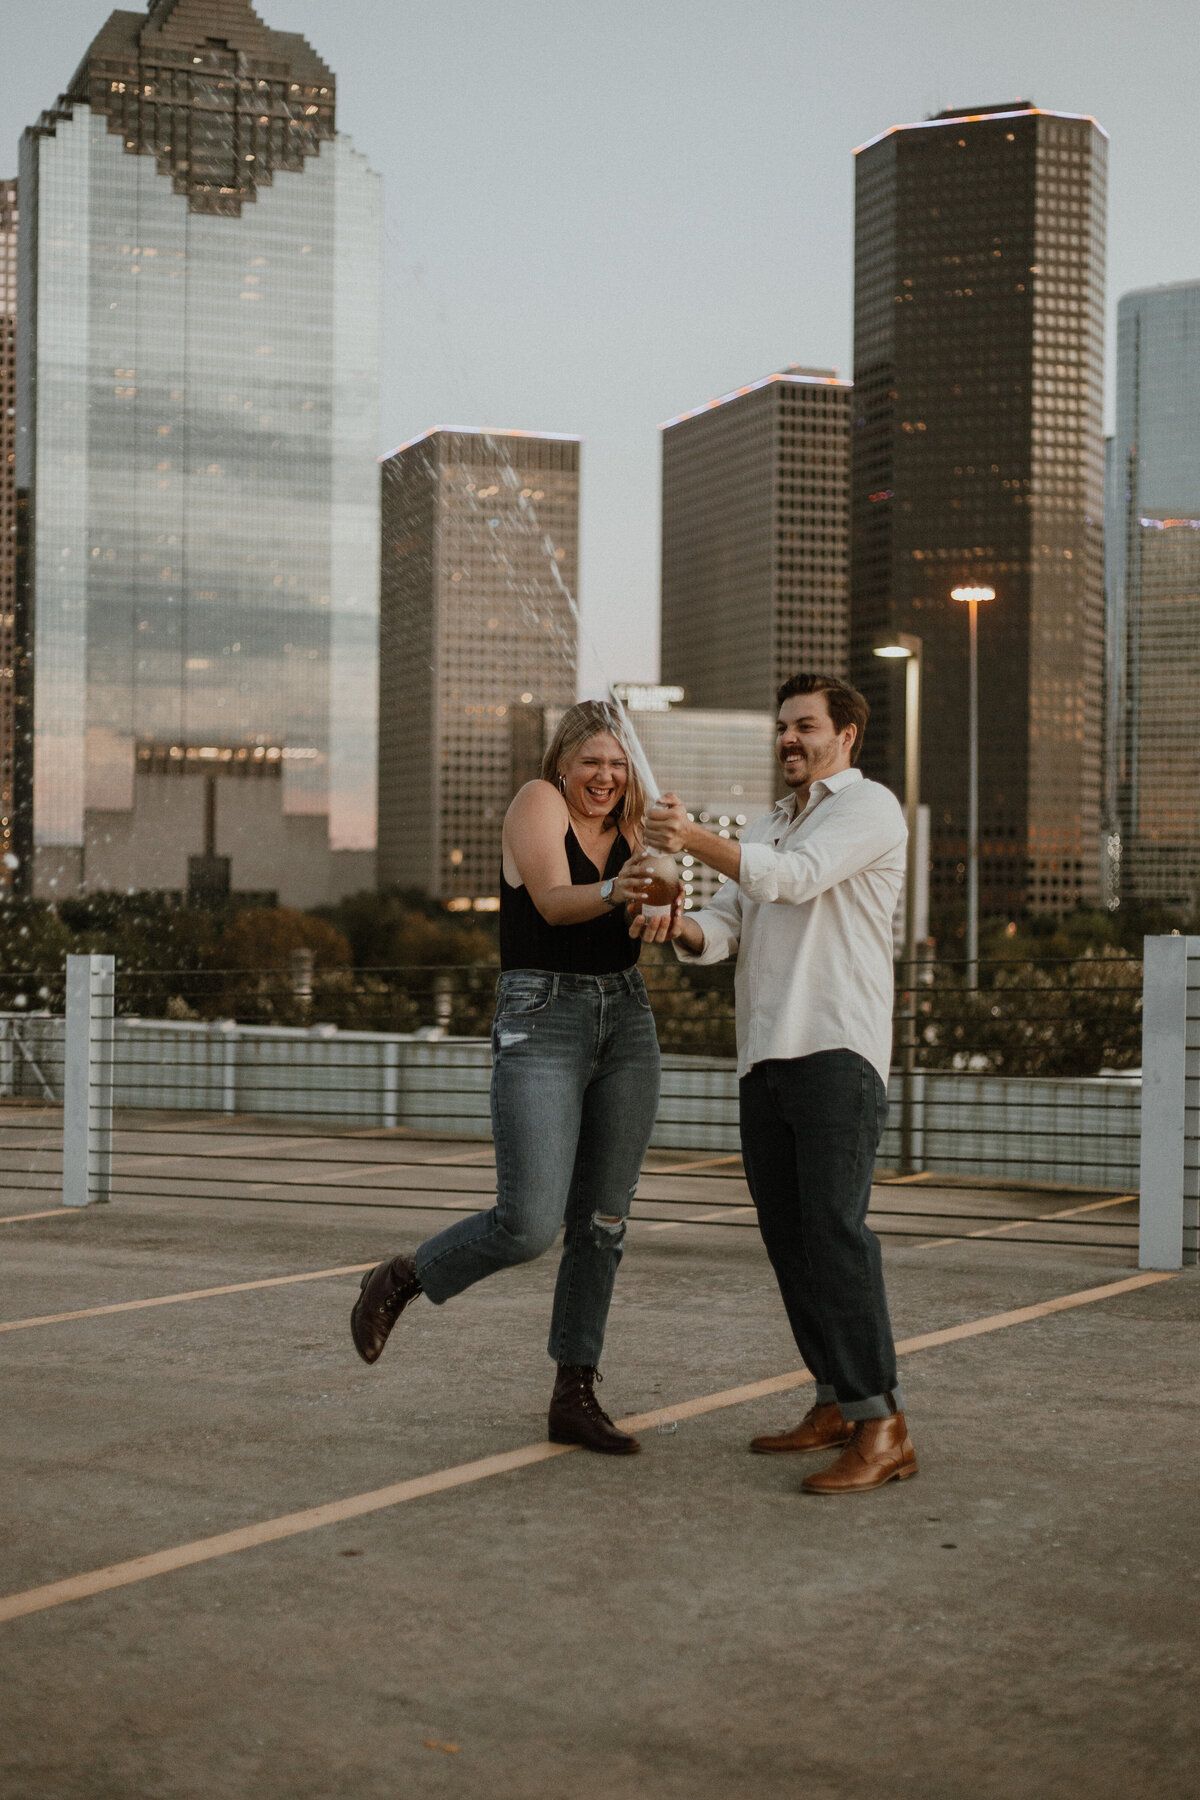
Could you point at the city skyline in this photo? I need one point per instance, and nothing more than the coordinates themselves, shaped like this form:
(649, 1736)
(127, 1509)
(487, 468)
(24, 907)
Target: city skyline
(693, 226)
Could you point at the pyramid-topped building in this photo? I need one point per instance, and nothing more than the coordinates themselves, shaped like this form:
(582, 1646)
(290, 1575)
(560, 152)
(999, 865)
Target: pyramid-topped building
(198, 440)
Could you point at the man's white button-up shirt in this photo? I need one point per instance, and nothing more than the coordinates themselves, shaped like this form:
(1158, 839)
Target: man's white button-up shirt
(810, 918)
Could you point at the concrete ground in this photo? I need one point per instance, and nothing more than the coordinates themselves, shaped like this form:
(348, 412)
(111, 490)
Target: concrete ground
(684, 1625)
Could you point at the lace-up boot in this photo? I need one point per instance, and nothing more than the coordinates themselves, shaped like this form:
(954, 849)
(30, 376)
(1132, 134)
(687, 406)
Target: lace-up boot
(386, 1291)
(577, 1417)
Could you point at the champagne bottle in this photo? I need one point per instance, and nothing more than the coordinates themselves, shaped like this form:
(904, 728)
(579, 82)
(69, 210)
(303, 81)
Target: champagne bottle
(664, 875)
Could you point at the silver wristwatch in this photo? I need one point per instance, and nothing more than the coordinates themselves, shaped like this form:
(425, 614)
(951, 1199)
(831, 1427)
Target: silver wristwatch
(606, 892)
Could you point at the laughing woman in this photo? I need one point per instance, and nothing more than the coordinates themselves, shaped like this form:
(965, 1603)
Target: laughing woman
(575, 1069)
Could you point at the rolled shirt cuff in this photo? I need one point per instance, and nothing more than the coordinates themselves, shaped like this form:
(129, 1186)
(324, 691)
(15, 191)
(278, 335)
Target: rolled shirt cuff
(718, 943)
(758, 875)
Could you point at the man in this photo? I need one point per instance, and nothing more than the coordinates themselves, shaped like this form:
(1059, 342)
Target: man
(807, 905)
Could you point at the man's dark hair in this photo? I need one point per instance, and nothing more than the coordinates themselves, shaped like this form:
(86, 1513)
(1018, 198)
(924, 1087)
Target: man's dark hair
(846, 705)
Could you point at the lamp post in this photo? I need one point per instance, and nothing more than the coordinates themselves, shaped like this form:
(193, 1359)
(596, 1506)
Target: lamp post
(972, 597)
(902, 645)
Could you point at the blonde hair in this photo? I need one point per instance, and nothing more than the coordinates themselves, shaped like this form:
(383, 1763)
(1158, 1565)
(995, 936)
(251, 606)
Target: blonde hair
(586, 720)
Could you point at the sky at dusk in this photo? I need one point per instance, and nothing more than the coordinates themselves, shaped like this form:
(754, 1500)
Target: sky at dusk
(601, 215)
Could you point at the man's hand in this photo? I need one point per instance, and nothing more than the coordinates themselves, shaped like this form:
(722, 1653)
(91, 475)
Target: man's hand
(667, 825)
(665, 931)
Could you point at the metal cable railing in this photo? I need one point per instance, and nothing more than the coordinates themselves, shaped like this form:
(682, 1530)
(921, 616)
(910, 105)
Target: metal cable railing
(1030, 1077)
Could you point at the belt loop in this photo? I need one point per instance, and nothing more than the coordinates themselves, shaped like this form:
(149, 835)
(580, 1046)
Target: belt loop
(554, 988)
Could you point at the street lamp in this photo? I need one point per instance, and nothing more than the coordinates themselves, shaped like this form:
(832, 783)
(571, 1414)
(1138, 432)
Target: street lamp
(902, 645)
(972, 597)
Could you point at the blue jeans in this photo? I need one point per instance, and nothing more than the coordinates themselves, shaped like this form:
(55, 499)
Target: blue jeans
(575, 1072)
(810, 1128)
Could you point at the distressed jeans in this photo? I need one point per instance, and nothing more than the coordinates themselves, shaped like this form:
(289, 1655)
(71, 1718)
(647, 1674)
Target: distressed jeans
(810, 1128)
(575, 1072)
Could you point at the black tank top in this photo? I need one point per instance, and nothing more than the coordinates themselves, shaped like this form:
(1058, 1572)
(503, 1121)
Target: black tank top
(595, 947)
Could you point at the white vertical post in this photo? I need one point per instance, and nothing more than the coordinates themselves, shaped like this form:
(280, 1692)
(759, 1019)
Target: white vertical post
(229, 1054)
(1170, 1176)
(88, 1081)
(391, 1085)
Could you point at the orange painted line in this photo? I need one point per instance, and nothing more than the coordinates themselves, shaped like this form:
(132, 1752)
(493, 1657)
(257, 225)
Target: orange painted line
(356, 1506)
(707, 1162)
(56, 1212)
(1072, 1212)
(717, 1212)
(269, 1531)
(234, 1287)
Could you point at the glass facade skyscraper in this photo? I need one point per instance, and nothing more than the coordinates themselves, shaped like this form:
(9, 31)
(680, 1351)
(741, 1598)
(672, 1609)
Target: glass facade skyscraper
(1152, 560)
(8, 518)
(978, 459)
(200, 277)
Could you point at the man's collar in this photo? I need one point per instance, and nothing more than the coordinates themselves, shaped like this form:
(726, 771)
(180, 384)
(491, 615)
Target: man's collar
(824, 784)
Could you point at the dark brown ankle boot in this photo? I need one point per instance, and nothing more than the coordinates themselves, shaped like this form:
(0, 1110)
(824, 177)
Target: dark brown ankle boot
(386, 1291)
(577, 1417)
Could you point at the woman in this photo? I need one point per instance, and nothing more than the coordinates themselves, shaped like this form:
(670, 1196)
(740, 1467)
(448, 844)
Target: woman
(575, 1069)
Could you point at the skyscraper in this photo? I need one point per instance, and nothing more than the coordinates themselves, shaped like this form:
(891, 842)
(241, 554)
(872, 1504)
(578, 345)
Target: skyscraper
(479, 570)
(1152, 561)
(754, 538)
(978, 459)
(198, 402)
(8, 517)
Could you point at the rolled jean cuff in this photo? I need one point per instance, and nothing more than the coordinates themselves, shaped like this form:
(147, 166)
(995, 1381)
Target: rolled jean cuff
(826, 1395)
(876, 1407)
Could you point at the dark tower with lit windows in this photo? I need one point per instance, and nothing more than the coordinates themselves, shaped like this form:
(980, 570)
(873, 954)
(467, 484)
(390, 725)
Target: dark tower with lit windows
(977, 458)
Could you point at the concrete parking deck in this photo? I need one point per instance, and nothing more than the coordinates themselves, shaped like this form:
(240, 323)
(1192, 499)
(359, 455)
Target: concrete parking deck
(1020, 1620)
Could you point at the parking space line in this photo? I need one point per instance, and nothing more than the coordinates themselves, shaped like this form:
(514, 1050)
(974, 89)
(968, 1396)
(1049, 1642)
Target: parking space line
(233, 1287)
(704, 1218)
(356, 1506)
(1072, 1212)
(56, 1212)
(706, 1162)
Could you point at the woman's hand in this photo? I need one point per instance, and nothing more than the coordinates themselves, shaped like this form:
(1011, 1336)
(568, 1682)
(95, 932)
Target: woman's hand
(632, 885)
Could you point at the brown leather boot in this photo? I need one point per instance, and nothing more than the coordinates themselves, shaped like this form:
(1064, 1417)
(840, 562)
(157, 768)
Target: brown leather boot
(577, 1417)
(386, 1291)
(880, 1450)
(821, 1428)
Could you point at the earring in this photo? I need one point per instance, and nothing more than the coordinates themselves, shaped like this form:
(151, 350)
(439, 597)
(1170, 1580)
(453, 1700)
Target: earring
(562, 786)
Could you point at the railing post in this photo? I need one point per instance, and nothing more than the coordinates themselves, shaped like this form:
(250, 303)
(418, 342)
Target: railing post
(88, 1081)
(1170, 1175)
(390, 1118)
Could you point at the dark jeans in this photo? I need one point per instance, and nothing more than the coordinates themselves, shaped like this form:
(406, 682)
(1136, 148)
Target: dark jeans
(810, 1128)
(575, 1073)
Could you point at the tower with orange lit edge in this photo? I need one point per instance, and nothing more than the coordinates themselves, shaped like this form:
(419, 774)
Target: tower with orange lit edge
(977, 459)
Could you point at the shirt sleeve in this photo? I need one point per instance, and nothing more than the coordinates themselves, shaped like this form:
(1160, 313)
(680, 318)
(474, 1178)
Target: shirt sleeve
(843, 843)
(721, 923)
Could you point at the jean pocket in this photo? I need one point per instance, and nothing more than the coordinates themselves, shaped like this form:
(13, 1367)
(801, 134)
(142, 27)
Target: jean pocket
(520, 998)
(638, 988)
